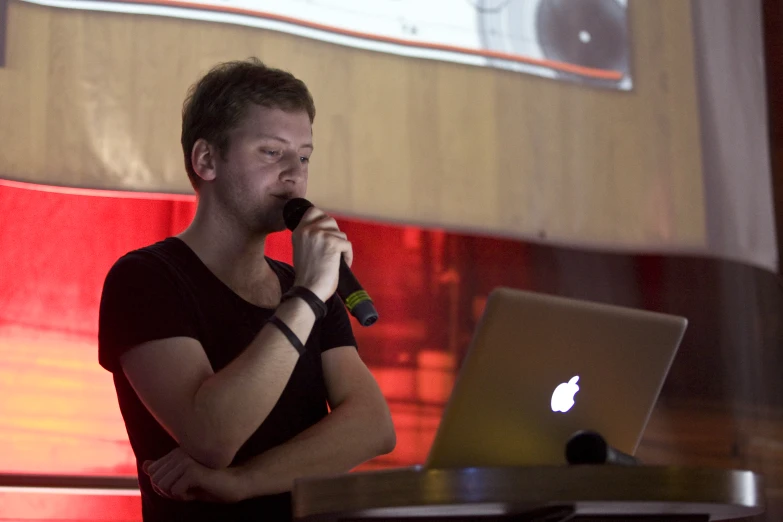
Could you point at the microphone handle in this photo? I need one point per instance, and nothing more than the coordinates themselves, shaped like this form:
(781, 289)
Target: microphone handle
(356, 299)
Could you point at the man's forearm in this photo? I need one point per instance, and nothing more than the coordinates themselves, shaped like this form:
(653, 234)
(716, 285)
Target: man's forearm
(350, 435)
(231, 404)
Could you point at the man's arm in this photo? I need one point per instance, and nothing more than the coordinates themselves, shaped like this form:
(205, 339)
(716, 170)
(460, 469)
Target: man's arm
(358, 428)
(212, 414)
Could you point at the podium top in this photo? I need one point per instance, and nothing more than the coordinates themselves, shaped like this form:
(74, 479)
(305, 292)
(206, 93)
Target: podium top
(720, 494)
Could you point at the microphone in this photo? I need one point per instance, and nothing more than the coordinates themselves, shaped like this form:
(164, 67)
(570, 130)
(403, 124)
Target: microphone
(589, 447)
(356, 299)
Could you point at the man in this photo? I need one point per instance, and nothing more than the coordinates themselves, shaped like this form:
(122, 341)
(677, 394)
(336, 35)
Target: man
(224, 360)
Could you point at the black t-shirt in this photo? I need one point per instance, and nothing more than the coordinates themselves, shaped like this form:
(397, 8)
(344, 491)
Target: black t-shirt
(164, 291)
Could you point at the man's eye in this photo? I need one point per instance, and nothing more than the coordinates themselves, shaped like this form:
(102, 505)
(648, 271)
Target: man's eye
(273, 153)
(304, 159)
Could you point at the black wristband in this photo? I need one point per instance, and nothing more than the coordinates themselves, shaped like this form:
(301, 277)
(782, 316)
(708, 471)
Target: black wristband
(314, 302)
(290, 335)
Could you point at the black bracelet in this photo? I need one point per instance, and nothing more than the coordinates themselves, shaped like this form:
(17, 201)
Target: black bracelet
(290, 335)
(319, 307)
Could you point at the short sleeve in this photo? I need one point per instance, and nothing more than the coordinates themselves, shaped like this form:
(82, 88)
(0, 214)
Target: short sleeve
(140, 302)
(336, 330)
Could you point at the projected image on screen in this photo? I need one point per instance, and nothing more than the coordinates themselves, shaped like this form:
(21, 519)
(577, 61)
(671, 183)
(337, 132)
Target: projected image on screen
(585, 41)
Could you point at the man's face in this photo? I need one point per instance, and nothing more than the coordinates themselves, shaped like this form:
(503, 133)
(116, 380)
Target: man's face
(265, 166)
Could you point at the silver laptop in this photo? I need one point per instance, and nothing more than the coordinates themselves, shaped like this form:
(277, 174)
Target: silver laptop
(541, 368)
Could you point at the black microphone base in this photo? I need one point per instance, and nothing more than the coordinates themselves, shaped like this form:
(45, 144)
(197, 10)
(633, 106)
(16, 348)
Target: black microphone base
(365, 313)
(589, 447)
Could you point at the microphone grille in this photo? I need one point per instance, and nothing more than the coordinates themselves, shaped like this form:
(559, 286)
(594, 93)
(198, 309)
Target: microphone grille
(294, 210)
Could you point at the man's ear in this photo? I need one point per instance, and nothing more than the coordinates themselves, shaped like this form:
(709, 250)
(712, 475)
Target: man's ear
(203, 159)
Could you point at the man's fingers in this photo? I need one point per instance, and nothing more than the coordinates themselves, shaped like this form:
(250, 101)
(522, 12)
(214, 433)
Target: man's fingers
(182, 489)
(312, 215)
(323, 224)
(159, 491)
(348, 254)
(159, 464)
(154, 467)
(169, 477)
(342, 245)
(338, 234)
(317, 219)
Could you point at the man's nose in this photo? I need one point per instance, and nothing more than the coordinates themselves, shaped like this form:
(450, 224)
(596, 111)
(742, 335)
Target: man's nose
(294, 170)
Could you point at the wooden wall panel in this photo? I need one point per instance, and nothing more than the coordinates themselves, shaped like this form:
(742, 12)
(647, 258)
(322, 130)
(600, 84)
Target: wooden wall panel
(93, 99)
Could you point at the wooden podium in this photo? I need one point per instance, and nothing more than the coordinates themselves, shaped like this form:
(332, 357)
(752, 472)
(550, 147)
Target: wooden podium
(552, 494)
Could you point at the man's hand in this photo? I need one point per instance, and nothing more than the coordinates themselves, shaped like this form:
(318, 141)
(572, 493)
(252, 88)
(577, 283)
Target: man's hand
(318, 247)
(178, 477)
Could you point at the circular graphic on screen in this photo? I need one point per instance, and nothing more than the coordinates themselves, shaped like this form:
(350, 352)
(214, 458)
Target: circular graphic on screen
(590, 33)
(585, 33)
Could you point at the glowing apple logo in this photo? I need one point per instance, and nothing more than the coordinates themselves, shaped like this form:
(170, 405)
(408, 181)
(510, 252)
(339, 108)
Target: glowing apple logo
(563, 397)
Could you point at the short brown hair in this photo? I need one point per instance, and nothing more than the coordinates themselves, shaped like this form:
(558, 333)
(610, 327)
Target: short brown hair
(217, 103)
